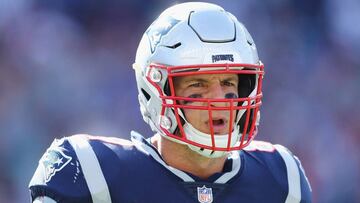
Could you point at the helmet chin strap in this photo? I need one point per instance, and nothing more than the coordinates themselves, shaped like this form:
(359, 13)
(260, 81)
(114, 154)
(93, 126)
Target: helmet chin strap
(203, 138)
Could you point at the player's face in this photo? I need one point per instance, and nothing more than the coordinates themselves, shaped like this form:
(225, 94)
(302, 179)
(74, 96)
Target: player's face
(209, 86)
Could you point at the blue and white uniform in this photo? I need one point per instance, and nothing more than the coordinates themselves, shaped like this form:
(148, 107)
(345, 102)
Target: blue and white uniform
(84, 168)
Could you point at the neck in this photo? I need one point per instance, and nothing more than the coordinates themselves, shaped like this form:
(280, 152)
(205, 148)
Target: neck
(183, 158)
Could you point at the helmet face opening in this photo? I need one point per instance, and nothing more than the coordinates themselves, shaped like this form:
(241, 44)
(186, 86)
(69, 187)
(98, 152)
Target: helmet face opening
(226, 122)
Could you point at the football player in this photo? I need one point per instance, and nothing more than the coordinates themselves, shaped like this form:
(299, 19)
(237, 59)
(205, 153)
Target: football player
(199, 79)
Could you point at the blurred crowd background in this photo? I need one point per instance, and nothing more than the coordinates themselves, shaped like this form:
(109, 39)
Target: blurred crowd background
(65, 68)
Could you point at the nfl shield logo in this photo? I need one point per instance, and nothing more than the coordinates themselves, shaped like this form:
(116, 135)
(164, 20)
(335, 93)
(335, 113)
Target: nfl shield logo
(205, 194)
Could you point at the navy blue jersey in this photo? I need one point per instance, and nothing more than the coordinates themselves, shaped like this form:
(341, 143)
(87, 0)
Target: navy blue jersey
(85, 168)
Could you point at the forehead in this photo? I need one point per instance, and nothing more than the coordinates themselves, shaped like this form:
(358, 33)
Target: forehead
(206, 77)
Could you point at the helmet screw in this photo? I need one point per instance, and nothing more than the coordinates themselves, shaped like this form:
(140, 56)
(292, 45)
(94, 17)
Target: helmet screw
(165, 122)
(155, 76)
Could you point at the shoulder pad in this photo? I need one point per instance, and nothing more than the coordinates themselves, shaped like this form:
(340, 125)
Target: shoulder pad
(44, 199)
(67, 172)
(112, 140)
(299, 186)
(283, 166)
(260, 146)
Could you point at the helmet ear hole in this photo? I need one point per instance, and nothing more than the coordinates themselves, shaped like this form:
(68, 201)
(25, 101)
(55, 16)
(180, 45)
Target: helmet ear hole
(147, 95)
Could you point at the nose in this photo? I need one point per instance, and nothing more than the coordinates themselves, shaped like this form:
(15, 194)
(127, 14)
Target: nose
(216, 91)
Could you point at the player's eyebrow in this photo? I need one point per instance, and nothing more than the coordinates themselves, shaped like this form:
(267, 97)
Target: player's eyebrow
(200, 79)
(185, 81)
(195, 80)
(231, 77)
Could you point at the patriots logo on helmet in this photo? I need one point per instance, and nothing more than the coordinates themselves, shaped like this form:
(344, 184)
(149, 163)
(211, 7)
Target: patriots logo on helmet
(222, 57)
(158, 29)
(205, 194)
(53, 161)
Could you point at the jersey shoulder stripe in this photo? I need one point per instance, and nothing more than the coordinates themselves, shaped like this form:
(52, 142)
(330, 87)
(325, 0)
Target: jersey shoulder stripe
(70, 170)
(284, 167)
(91, 169)
(293, 175)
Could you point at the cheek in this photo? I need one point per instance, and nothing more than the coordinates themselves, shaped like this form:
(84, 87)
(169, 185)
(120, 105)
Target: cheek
(194, 116)
(190, 114)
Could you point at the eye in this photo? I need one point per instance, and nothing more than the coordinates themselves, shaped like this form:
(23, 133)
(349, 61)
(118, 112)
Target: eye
(195, 96)
(228, 83)
(195, 84)
(192, 96)
(231, 96)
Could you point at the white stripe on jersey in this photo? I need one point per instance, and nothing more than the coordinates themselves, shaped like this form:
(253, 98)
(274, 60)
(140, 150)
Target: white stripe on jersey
(91, 168)
(293, 175)
(44, 200)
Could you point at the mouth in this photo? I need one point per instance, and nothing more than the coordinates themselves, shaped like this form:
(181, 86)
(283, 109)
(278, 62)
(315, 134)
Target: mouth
(218, 122)
(219, 125)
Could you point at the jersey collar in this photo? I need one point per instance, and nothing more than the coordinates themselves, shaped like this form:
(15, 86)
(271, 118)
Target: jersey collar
(231, 169)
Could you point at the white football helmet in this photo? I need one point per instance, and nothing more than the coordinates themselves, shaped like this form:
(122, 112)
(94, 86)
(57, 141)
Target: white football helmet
(190, 39)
